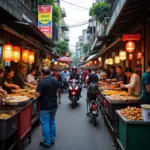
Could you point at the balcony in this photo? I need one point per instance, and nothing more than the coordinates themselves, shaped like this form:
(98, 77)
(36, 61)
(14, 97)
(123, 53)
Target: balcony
(66, 38)
(64, 26)
(117, 6)
(19, 10)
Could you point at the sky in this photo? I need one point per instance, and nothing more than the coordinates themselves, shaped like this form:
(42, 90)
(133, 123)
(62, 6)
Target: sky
(76, 15)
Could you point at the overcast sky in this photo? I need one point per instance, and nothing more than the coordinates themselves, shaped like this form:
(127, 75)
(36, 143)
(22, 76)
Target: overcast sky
(76, 15)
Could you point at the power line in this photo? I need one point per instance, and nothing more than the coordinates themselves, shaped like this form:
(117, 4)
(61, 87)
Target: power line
(76, 5)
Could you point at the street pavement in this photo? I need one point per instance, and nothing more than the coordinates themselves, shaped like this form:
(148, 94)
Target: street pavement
(75, 130)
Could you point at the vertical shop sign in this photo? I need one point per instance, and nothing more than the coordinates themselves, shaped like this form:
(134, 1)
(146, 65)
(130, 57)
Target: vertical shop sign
(45, 20)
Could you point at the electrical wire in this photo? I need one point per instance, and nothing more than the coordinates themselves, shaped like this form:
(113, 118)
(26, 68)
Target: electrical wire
(75, 5)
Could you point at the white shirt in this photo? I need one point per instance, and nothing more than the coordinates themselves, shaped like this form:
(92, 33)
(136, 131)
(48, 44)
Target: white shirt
(135, 83)
(30, 78)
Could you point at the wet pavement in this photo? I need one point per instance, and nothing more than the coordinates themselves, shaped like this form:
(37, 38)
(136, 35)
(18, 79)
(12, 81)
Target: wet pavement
(75, 130)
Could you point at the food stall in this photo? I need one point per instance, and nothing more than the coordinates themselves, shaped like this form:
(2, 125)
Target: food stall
(132, 131)
(24, 109)
(112, 99)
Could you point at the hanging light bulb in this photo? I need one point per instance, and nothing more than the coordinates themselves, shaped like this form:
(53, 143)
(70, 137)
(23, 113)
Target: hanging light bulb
(25, 55)
(122, 55)
(110, 61)
(16, 54)
(130, 56)
(107, 61)
(117, 59)
(99, 59)
(139, 55)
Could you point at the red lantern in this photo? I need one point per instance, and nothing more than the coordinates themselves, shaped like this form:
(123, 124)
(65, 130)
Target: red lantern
(31, 57)
(7, 52)
(139, 55)
(130, 46)
(95, 62)
(16, 54)
(130, 56)
(25, 55)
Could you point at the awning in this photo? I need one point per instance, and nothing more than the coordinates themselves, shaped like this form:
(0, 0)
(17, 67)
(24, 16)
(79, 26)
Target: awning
(9, 30)
(38, 34)
(91, 57)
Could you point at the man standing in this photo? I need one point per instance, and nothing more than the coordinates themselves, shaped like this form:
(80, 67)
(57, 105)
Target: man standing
(47, 92)
(145, 97)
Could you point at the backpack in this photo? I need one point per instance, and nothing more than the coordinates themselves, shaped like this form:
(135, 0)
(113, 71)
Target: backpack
(93, 88)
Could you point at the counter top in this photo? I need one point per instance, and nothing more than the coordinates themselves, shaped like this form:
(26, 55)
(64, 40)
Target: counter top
(127, 121)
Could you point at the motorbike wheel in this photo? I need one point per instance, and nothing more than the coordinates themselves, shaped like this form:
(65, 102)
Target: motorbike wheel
(73, 102)
(94, 121)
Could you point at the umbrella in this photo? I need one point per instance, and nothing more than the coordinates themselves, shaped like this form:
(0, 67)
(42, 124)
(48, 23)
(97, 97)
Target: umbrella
(64, 59)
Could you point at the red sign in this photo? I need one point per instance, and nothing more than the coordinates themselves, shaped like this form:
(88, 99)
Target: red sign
(131, 37)
(46, 30)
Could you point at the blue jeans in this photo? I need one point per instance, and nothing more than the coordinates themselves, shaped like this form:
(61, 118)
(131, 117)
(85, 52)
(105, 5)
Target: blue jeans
(47, 119)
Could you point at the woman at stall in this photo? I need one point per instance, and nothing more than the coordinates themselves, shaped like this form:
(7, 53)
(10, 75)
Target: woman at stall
(8, 82)
(31, 76)
(134, 86)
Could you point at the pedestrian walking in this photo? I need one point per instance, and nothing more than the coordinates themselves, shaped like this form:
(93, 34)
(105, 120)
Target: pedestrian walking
(47, 92)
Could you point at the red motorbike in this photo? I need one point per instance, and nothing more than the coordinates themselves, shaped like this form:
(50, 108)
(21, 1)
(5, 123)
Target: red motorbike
(74, 92)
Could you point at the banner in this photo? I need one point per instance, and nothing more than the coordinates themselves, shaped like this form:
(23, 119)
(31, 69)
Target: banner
(45, 20)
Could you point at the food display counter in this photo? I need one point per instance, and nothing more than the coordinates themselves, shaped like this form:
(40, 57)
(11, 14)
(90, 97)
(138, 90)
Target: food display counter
(132, 134)
(112, 100)
(27, 114)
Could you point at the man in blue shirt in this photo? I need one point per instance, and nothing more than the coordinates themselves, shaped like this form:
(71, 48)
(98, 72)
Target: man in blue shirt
(47, 90)
(145, 97)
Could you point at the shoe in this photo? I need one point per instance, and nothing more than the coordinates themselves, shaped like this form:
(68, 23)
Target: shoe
(52, 143)
(44, 145)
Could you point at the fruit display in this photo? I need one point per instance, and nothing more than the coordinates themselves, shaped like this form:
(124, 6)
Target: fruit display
(6, 115)
(132, 113)
(115, 92)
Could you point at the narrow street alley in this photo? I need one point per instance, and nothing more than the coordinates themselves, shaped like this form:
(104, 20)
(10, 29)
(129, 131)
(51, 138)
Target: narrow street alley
(74, 130)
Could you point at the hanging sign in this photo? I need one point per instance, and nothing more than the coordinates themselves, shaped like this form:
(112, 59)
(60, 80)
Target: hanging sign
(131, 37)
(45, 19)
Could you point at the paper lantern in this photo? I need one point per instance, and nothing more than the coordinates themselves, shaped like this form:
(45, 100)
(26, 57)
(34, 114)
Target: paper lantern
(122, 55)
(7, 52)
(107, 61)
(130, 56)
(130, 46)
(117, 59)
(31, 57)
(99, 59)
(139, 55)
(25, 55)
(16, 54)
(95, 62)
(110, 61)
(56, 62)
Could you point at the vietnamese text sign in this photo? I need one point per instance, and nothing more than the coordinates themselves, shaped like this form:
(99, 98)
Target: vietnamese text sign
(45, 19)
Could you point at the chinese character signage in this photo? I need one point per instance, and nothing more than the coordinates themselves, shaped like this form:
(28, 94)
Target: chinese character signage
(45, 20)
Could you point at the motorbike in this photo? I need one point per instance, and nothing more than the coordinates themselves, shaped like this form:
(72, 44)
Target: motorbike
(92, 106)
(74, 92)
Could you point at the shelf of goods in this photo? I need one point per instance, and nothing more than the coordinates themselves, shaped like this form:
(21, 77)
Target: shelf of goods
(110, 103)
(132, 134)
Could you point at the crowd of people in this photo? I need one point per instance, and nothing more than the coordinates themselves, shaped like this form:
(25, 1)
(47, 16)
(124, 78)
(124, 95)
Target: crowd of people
(51, 83)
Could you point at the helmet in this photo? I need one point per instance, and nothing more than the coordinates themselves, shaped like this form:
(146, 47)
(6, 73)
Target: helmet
(74, 68)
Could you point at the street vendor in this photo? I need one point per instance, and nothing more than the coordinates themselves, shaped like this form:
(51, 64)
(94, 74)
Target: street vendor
(8, 83)
(31, 76)
(2, 92)
(20, 78)
(120, 78)
(145, 96)
(134, 86)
